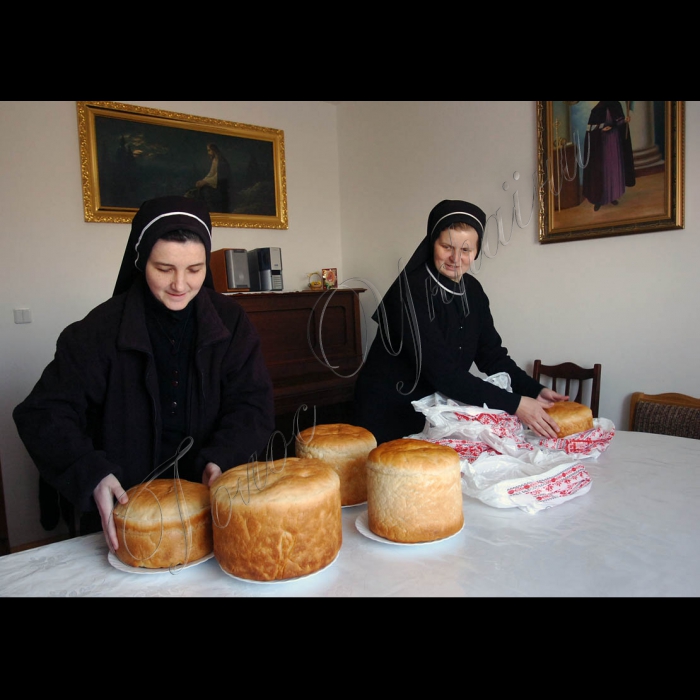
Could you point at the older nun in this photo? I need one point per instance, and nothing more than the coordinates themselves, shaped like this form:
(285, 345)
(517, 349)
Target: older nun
(434, 324)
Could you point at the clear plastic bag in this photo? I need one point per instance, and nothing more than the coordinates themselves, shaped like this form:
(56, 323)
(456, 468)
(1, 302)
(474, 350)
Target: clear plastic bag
(505, 465)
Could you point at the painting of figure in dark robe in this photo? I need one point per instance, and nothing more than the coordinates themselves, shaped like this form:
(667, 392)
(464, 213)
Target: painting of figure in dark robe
(610, 167)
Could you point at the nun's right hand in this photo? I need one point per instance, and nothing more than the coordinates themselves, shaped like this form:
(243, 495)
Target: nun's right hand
(531, 412)
(104, 494)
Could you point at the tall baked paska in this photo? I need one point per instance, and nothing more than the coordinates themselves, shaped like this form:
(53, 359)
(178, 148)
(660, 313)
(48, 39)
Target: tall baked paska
(414, 491)
(344, 448)
(277, 520)
(166, 523)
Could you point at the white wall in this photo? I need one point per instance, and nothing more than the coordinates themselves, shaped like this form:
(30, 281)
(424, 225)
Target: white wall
(361, 179)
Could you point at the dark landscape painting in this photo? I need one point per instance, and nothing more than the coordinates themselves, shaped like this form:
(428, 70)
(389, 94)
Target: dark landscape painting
(138, 161)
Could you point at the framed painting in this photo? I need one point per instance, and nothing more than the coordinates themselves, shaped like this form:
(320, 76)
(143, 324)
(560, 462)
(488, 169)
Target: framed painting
(609, 168)
(330, 278)
(129, 154)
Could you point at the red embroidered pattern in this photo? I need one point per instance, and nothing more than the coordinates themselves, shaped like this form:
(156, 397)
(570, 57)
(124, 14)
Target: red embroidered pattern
(567, 483)
(467, 449)
(580, 443)
(501, 424)
(524, 445)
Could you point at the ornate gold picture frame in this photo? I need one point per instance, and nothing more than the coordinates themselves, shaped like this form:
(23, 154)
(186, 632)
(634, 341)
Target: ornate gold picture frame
(129, 154)
(609, 168)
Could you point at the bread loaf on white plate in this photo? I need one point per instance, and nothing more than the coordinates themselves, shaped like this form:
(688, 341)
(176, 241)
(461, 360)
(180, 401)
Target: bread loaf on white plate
(167, 522)
(414, 491)
(344, 448)
(278, 520)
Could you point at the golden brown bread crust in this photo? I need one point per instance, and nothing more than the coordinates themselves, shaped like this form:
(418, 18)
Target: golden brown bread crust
(414, 491)
(151, 527)
(344, 448)
(571, 417)
(278, 521)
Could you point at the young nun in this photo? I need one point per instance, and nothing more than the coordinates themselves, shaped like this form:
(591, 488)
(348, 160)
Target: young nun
(165, 359)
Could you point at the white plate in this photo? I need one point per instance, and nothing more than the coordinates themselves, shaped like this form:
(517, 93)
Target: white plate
(362, 524)
(354, 505)
(118, 564)
(284, 580)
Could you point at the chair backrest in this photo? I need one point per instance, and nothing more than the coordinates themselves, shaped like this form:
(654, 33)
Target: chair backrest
(665, 414)
(568, 375)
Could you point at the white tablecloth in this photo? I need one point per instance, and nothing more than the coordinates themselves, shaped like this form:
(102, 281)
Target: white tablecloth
(635, 533)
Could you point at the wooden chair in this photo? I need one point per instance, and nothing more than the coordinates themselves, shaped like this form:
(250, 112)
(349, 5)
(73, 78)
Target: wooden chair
(571, 375)
(665, 414)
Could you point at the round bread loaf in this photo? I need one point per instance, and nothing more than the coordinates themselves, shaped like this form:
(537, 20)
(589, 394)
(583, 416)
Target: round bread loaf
(571, 417)
(344, 448)
(278, 520)
(414, 491)
(167, 522)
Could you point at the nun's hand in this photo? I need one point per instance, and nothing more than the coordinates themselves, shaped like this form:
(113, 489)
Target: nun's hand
(531, 412)
(211, 473)
(104, 494)
(547, 397)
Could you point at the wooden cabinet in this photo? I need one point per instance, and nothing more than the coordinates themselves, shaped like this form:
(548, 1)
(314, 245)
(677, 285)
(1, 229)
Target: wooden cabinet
(312, 345)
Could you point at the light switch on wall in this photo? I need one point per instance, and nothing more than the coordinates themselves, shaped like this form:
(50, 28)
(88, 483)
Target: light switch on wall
(23, 315)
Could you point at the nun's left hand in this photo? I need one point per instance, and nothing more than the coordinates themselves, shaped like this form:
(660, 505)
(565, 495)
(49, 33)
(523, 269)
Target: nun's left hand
(546, 397)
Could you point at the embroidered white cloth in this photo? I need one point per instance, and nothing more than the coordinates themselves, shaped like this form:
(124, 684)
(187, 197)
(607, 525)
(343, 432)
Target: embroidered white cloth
(506, 465)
